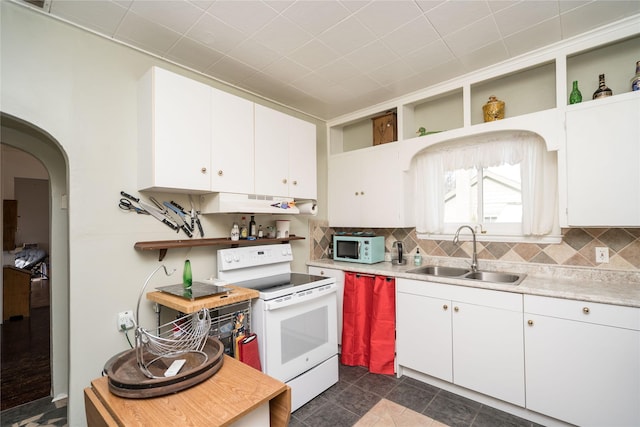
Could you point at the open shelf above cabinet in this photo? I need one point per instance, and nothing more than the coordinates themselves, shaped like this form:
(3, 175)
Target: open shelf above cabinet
(164, 245)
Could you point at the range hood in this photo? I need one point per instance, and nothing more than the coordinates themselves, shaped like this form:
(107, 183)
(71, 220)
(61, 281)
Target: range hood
(246, 203)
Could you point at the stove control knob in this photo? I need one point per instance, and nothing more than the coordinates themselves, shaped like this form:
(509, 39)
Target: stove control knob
(227, 258)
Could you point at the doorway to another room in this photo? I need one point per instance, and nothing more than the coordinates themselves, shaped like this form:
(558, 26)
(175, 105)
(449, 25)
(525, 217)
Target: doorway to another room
(25, 359)
(35, 341)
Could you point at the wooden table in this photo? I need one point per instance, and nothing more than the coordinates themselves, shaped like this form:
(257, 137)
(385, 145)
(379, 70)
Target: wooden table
(232, 393)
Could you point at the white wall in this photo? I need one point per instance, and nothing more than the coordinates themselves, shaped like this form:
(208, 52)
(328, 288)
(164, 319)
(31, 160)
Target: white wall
(81, 89)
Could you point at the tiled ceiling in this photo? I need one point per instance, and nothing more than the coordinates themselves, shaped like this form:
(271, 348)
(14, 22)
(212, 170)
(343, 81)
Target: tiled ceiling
(330, 57)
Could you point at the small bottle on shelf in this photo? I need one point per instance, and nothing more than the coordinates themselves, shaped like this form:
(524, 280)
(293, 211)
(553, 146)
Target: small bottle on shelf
(602, 91)
(244, 233)
(253, 232)
(575, 96)
(260, 232)
(235, 232)
(635, 81)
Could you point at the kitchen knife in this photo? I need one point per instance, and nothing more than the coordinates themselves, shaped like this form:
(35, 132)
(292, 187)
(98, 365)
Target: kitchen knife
(194, 215)
(173, 210)
(178, 210)
(157, 215)
(151, 210)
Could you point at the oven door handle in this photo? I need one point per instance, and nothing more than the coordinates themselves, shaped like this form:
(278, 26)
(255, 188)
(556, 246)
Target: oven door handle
(299, 297)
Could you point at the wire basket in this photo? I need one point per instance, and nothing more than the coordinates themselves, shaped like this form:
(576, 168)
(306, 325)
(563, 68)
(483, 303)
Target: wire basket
(186, 334)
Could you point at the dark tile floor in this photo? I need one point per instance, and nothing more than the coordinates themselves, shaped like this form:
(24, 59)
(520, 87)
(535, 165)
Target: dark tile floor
(341, 405)
(358, 391)
(41, 412)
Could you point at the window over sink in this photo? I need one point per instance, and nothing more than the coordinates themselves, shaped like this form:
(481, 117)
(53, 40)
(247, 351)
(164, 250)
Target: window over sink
(504, 182)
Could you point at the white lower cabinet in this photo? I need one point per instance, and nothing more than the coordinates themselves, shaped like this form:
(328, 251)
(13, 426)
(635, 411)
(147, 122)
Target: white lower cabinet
(423, 333)
(339, 276)
(471, 337)
(583, 361)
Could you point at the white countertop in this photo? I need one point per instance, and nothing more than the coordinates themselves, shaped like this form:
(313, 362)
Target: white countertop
(594, 285)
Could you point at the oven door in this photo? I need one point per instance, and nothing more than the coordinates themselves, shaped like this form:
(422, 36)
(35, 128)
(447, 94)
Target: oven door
(297, 337)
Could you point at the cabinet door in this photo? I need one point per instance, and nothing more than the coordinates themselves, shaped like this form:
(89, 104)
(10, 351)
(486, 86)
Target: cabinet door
(344, 191)
(366, 189)
(381, 188)
(585, 374)
(232, 157)
(339, 276)
(174, 133)
(488, 351)
(302, 159)
(272, 152)
(603, 153)
(423, 334)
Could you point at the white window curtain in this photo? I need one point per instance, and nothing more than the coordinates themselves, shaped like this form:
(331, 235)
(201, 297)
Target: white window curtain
(538, 171)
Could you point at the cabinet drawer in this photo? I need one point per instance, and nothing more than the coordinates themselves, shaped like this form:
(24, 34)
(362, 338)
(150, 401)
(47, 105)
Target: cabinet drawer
(478, 296)
(584, 311)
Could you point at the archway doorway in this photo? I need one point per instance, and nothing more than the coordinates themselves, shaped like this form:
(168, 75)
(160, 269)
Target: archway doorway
(26, 327)
(30, 139)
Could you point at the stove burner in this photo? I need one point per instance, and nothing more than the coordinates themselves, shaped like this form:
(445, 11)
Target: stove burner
(270, 284)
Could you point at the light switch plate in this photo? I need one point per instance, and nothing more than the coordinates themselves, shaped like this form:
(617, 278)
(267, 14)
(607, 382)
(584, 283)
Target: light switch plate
(602, 255)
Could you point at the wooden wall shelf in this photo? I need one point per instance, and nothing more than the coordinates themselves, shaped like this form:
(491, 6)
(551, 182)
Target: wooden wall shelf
(164, 245)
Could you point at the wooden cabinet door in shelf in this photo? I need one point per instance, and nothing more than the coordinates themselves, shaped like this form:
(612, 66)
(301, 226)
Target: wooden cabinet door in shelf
(174, 133)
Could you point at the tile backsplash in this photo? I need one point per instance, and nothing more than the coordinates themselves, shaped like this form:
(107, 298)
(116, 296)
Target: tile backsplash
(577, 248)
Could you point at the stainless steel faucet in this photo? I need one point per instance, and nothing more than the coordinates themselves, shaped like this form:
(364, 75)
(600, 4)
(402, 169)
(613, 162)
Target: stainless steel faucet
(474, 256)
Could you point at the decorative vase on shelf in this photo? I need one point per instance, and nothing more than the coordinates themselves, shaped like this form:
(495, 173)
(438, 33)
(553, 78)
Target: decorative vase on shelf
(186, 276)
(493, 109)
(635, 81)
(603, 91)
(575, 97)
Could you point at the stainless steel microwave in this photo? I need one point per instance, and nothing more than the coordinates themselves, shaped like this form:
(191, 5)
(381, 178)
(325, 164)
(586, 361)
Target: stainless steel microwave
(362, 249)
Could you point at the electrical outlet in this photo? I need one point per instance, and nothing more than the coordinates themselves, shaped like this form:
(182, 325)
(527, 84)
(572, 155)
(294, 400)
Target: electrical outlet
(602, 255)
(125, 320)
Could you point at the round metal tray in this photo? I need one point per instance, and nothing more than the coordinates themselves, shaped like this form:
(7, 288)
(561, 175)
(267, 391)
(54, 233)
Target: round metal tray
(127, 380)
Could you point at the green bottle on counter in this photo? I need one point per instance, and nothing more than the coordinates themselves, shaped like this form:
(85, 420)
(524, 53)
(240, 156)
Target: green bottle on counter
(186, 275)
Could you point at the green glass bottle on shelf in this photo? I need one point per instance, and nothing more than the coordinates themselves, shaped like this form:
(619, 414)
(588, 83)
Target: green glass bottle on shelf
(186, 275)
(575, 97)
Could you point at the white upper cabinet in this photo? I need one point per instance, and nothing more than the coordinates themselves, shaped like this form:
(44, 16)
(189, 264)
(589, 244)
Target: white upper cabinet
(174, 133)
(603, 154)
(302, 160)
(232, 128)
(197, 139)
(285, 155)
(366, 189)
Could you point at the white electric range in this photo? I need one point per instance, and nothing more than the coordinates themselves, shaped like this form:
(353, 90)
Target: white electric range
(295, 317)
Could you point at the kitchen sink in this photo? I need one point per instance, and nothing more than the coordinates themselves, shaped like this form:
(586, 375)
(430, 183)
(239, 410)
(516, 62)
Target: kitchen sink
(490, 276)
(463, 273)
(434, 270)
